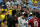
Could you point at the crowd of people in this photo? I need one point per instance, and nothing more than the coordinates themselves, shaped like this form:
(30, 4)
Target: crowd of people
(20, 13)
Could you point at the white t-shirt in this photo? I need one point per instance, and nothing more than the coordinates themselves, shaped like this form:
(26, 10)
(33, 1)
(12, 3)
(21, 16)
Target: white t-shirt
(21, 22)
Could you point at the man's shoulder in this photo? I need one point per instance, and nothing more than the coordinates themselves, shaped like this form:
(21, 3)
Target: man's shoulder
(36, 18)
(19, 18)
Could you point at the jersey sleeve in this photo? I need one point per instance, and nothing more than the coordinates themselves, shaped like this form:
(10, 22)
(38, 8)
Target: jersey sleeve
(29, 22)
(16, 20)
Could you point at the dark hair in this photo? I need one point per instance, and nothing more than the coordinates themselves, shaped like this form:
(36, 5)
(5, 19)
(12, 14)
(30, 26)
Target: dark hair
(24, 7)
(27, 3)
(30, 15)
(3, 11)
(21, 10)
(13, 12)
(25, 15)
(34, 13)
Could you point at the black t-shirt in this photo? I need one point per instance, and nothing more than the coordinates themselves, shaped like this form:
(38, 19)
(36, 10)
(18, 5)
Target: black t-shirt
(12, 20)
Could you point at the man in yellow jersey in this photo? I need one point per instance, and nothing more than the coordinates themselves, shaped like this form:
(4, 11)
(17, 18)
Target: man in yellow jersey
(3, 16)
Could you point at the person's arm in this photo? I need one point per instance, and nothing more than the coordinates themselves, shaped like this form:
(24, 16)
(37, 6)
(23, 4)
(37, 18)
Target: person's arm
(29, 23)
(16, 25)
(16, 22)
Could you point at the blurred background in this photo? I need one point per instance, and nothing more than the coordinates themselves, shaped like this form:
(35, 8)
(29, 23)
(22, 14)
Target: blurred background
(21, 6)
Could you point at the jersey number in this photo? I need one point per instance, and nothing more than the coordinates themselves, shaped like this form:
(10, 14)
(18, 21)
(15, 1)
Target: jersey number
(36, 23)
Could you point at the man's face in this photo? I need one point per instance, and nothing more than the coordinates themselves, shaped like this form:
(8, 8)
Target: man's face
(15, 7)
(19, 8)
(24, 9)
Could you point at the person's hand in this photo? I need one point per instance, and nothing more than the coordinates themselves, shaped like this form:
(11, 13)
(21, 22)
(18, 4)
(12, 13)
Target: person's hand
(16, 25)
(25, 23)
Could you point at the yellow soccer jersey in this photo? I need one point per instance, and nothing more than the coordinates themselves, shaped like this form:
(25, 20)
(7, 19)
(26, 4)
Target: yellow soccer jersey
(2, 17)
(10, 12)
(6, 10)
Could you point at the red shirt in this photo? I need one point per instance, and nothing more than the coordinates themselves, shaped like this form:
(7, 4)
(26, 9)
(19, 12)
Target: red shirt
(34, 22)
